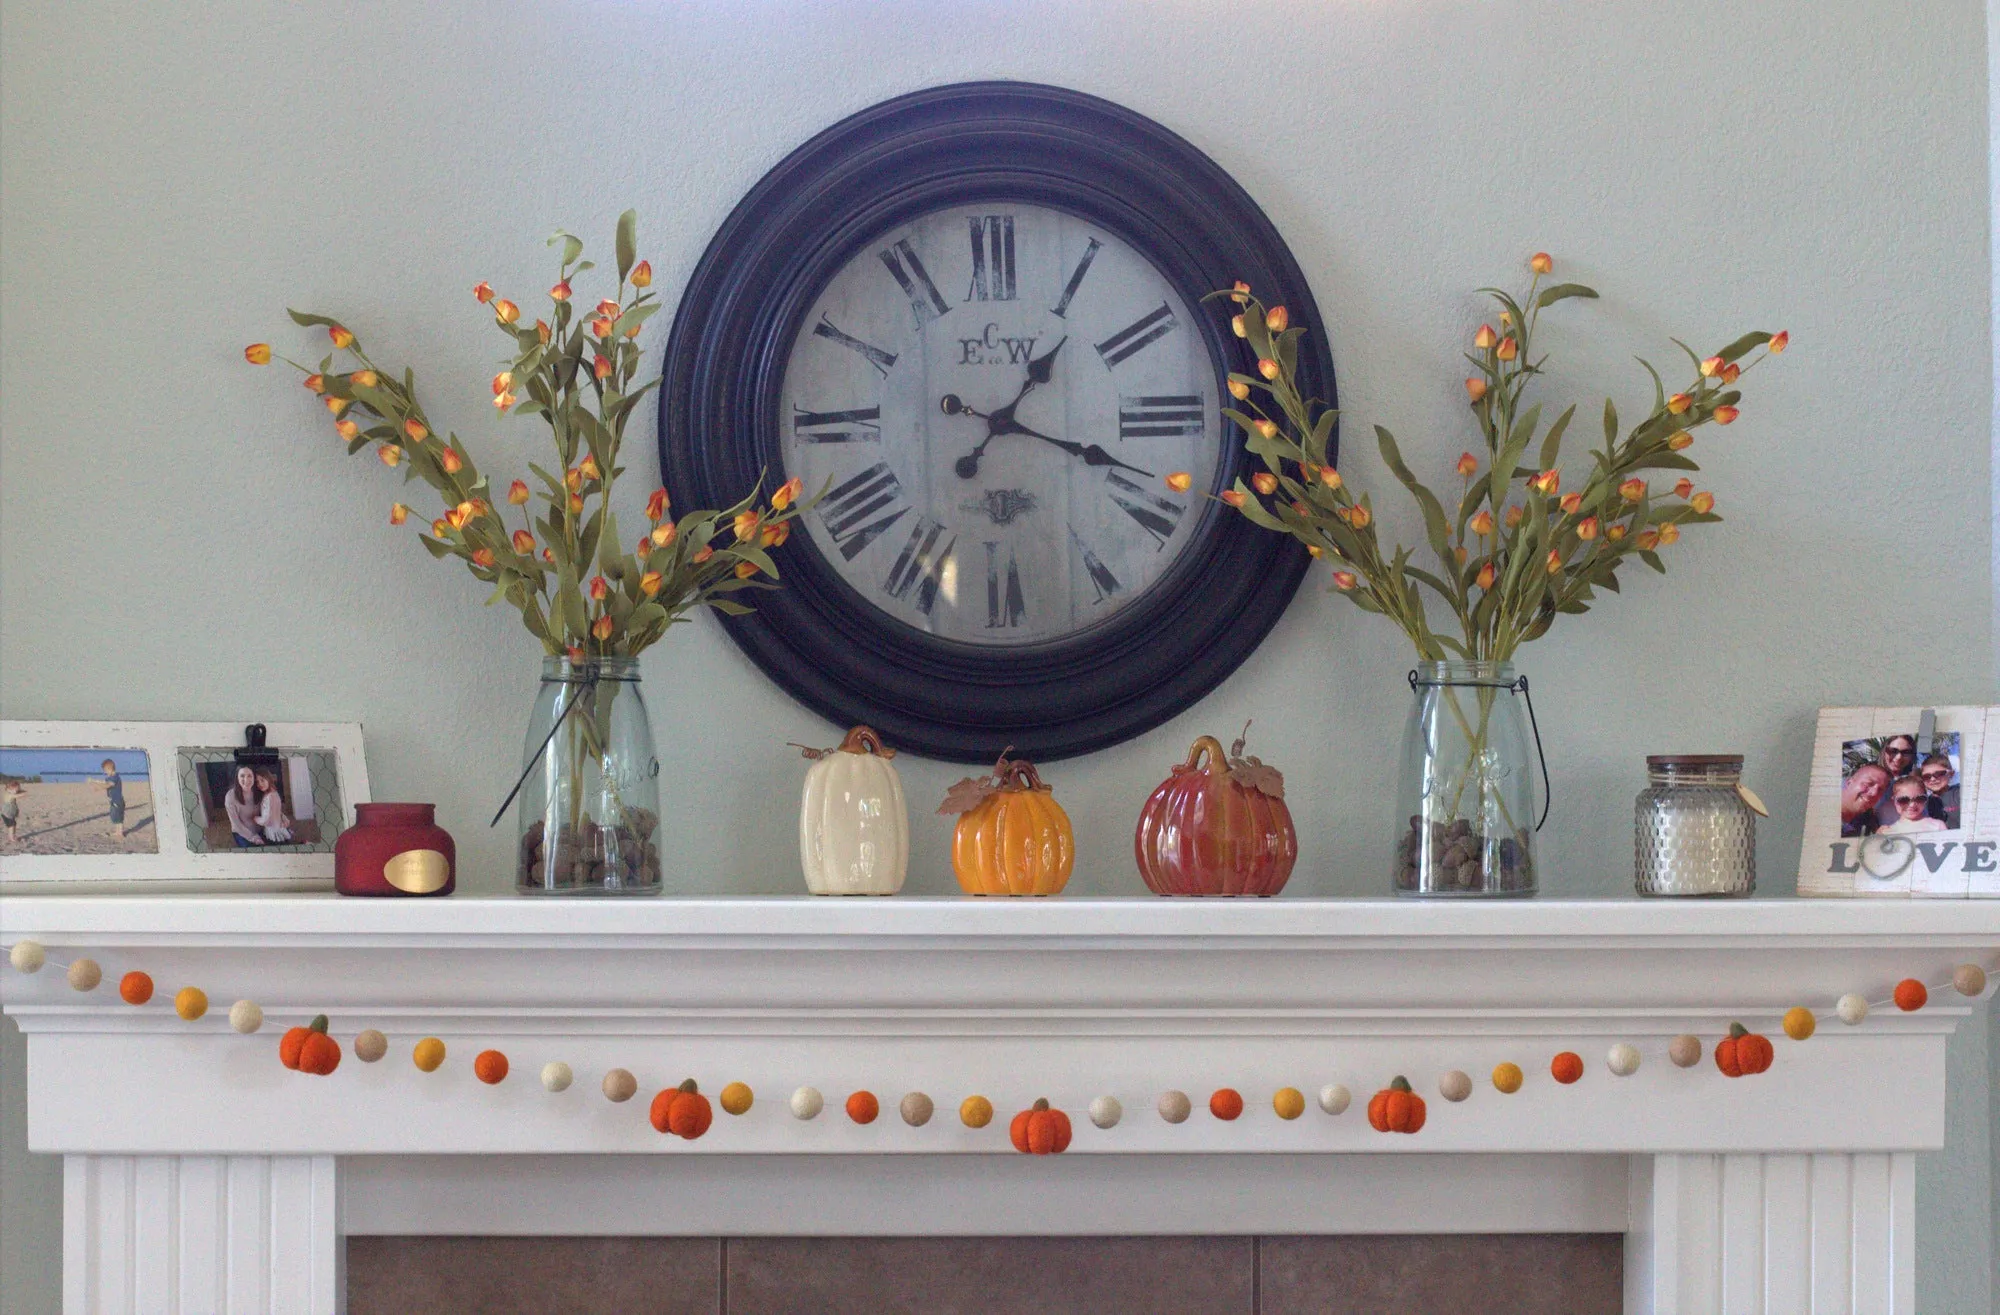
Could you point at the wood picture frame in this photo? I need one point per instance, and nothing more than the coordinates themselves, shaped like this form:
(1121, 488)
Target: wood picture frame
(158, 817)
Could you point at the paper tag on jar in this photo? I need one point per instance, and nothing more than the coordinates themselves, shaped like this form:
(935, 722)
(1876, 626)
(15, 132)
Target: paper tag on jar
(1749, 796)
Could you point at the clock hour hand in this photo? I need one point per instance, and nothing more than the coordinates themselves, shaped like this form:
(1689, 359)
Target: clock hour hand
(1043, 367)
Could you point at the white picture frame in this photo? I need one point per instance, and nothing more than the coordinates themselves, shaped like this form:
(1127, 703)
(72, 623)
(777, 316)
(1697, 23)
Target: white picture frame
(331, 777)
(1949, 851)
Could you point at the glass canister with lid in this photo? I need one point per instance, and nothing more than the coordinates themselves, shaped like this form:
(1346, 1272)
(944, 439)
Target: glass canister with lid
(1695, 827)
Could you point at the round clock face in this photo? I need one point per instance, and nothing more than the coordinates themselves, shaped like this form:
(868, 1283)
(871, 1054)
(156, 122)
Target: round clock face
(992, 395)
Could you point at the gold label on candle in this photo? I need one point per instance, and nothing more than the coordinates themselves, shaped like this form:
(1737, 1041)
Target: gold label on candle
(417, 871)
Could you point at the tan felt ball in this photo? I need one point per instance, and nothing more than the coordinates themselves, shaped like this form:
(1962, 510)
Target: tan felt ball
(620, 1086)
(84, 974)
(1455, 1086)
(1966, 979)
(1175, 1106)
(370, 1045)
(1685, 1050)
(917, 1109)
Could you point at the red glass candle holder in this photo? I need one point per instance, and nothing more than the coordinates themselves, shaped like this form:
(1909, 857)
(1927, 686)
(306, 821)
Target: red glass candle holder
(395, 849)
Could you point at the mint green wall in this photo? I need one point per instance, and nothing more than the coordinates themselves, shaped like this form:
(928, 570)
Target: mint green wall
(172, 176)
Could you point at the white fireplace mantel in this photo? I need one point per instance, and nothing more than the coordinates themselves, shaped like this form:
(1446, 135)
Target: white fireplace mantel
(201, 1175)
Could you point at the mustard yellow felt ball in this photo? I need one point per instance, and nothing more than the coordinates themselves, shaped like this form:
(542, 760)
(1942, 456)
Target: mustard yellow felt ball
(1507, 1078)
(428, 1054)
(1800, 1023)
(190, 1002)
(1289, 1103)
(975, 1112)
(736, 1098)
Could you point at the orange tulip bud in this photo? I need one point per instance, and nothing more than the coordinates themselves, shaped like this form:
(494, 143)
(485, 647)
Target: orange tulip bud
(602, 628)
(1458, 555)
(575, 504)
(415, 429)
(1669, 533)
(482, 557)
(1360, 517)
(440, 528)
(1632, 489)
(1779, 341)
(744, 570)
(656, 505)
(1726, 415)
(341, 337)
(1702, 502)
(1549, 482)
(1234, 497)
(1180, 481)
(1475, 389)
(1685, 487)
(258, 353)
(1240, 291)
(398, 513)
(1540, 262)
(588, 468)
(548, 557)
(600, 366)
(1467, 464)
(517, 493)
(1586, 529)
(774, 536)
(542, 331)
(633, 332)
(1482, 522)
(1647, 540)
(642, 274)
(524, 543)
(1555, 561)
(746, 523)
(787, 493)
(347, 429)
(1300, 507)
(1237, 327)
(1572, 503)
(364, 378)
(1268, 368)
(1680, 441)
(336, 404)
(609, 307)
(1485, 577)
(602, 326)
(1506, 317)
(650, 582)
(483, 291)
(663, 535)
(1264, 482)
(1614, 532)
(599, 587)
(1679, 403)
(1485, 337)
(1712, 367)
(315, 383)
(1239, 389)
(1508, 349)
(1513, 516)
(1277, 319)
(1730, 372)
(1314, 550)
(1344, 580)
(703, 555)
(1329, 477)
(560, 292)
(451, 461)
(572, 479)
(506, 311)
(1267, 429)
(502, 382)
(574, 653)
(459, 515)
(392, 456)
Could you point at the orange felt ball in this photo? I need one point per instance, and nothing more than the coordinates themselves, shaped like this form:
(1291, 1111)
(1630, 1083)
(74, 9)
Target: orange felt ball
(1566, 1067)
(862, 1107)
(1226, 1104)
(136, 988)
(1910, 995)
(490, 1067)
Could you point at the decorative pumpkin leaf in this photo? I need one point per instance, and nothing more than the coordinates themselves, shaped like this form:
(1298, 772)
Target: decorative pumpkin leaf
(968, 794)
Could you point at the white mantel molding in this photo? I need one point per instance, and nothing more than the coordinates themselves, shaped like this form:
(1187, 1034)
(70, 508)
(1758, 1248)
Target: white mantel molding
(1013, 999)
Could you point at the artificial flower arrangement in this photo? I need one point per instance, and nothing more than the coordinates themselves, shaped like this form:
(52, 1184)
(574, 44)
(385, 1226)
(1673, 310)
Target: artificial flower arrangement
(580, 589)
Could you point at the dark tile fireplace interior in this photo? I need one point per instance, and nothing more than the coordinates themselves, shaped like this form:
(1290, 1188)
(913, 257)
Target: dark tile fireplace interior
(1523, 1274)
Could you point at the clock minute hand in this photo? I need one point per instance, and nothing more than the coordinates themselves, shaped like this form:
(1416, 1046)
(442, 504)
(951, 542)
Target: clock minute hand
(1092, 454)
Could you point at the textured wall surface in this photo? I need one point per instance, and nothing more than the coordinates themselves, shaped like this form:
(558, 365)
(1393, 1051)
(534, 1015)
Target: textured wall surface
(181, 536)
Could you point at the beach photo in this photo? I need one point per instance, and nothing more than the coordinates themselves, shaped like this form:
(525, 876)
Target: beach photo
(84, 800)
(278, 804)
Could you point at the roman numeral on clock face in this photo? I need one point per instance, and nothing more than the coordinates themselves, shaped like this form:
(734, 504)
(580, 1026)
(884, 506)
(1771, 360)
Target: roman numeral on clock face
(1004, 604)
(860, 426)
(1101, 578)
(857, 512)
(1156, 515)
(1061, 309)
(1140, 334)
(920, 566)
(1159, 417)
(992, 258)
(926, 302)
(875, 356)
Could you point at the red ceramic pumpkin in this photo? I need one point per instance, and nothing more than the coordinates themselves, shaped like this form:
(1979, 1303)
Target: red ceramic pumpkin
(1217, 826)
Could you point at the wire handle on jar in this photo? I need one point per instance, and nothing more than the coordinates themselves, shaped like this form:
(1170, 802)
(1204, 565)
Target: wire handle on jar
(1518, 685)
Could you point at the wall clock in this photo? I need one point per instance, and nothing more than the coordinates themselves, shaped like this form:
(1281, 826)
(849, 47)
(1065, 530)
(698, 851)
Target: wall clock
(974, 315)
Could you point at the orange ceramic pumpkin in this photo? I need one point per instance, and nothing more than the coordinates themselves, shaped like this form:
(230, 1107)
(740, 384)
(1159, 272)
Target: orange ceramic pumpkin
(1039, 1130)
(1743, 1052)
(1396, 1108)
(1012, 838)
(1216, 826)
(682, 1111)
(309, 1049)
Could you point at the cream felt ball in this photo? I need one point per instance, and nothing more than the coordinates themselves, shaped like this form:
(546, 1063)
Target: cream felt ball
(1334, 1098)
(1852, 1008)
(28, 956)
(1105, 1111)
(807, 1103)
(1175, 1106)
(556, 1075)
(1623, 1059)
(246, 1016)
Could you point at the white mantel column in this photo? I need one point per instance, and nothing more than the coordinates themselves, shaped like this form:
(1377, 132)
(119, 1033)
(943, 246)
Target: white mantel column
(1828, 1234)
(201, 1235)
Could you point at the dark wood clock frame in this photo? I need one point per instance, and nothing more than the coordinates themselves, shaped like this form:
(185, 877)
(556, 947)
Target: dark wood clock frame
(720, 414)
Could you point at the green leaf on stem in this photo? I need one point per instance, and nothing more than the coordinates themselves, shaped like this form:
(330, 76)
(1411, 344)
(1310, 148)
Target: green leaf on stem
(1562, 292)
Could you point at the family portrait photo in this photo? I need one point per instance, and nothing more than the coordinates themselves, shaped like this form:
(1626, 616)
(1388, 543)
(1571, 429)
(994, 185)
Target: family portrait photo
(255, 805)
(76, 801)
(1898, 785)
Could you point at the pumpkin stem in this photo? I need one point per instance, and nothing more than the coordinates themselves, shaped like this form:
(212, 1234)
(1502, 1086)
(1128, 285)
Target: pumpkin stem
(1041, 1103)
(1399, 1083)
(1737, 1029)
(1208, 745)
(318, 1023)
(1021, 775)
(863, 739)
(687, 1086)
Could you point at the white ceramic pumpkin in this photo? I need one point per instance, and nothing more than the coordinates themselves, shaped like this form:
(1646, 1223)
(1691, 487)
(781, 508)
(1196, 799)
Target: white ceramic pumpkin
(854, 828)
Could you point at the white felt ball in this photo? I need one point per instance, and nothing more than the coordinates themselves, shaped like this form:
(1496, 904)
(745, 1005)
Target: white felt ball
(1852, 1008)
(1455, 1086)
(370, 1045)
(1105, 1111)
(1334, 1098)
(1966, 979)
(1175, 1106)
(245, 1016)
(807, 1103)
(84, 974)
(28, 956)
(1623, 1059)
(556, 1076)
(917, 1109)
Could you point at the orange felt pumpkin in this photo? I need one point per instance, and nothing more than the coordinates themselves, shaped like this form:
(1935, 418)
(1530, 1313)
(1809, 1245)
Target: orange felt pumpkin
(1226, 1104)
(1040, 1130)
(1911, 995)
(1743, 1052)
(1396, 1108)
(1566, 1067)
(309, 1049)
(1012, 837)
(682, 1111)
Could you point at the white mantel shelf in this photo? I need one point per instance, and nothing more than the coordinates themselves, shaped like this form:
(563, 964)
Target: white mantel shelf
(1803, 1175)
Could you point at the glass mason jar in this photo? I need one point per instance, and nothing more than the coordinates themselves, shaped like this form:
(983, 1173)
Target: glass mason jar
(1465, 784)
(590, 806)
(1694, 832)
